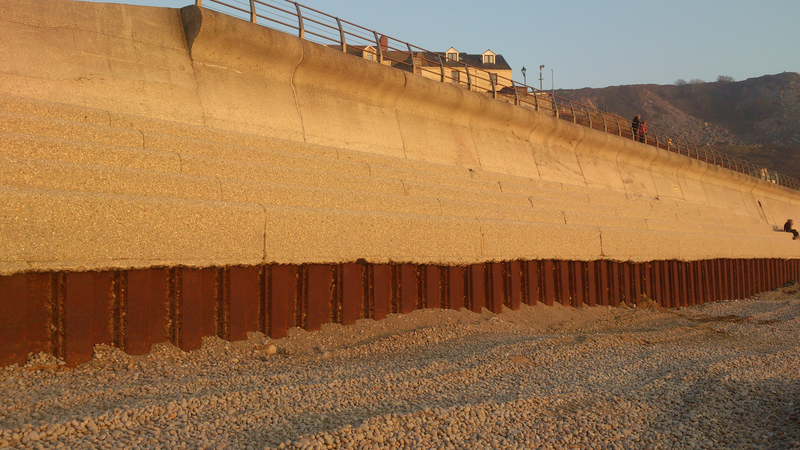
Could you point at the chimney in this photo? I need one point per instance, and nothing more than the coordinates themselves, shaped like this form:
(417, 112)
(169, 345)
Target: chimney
(384, 44)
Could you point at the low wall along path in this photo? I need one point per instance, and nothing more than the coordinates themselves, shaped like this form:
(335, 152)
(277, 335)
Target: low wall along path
(173, 174)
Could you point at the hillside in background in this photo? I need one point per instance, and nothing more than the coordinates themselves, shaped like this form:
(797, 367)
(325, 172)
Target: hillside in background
(756, 119)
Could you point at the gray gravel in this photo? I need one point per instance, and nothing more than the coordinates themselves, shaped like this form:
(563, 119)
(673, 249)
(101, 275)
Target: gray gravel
(724, 375)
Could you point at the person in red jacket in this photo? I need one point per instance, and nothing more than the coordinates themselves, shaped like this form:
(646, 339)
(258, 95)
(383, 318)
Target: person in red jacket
(643, 131)
(787, 227)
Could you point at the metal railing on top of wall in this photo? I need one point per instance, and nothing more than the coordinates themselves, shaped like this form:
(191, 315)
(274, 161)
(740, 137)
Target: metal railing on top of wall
(316, 26)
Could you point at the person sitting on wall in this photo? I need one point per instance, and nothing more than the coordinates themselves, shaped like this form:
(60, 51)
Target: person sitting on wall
(787, 227)
(635, 125)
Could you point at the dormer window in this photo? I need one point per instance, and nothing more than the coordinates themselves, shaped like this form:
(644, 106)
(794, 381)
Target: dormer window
(488, 57)
(452, 54)
(370, 53)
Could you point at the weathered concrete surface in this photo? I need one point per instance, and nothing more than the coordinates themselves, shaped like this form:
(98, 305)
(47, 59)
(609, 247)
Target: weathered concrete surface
(168, 138)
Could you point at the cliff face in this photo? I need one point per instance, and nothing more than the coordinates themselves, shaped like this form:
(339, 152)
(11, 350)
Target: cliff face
(757, 119)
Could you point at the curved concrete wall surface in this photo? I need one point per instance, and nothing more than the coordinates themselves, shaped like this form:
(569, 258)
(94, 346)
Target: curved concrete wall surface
(432, 173)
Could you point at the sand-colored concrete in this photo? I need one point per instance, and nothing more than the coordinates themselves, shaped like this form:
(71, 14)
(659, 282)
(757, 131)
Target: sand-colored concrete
(62, 176)
(57, 230)
(299, 153)
(243, 86)
(434, 120)
(55, 149)
(505, 240)
(510, 152)
(113, 57)
(328, 236)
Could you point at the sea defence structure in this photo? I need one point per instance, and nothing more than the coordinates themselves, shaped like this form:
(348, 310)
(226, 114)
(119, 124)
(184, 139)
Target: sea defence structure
(170, 174)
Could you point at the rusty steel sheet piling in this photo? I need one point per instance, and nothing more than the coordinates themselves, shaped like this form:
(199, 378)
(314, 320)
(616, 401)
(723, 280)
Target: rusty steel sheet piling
(68, 313)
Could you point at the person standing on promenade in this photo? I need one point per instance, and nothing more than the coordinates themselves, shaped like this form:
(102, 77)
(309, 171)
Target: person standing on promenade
(643, 131)
(635, 126)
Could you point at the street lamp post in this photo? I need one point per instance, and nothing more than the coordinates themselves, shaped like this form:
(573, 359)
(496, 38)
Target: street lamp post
(524, 79)
(540, 76)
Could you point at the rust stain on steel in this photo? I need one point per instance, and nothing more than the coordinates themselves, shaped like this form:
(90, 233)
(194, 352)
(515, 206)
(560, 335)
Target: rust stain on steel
(495, 288)
(350, 298)
(578, 282)
(381, 290)
(591, 283)
(407, 287)
(147, 293)
(603, 283)
(456, 289)
(25, 300)
(627, 285)
(87, 308)
(548, 279)
(614, 283)
(476, 287)
(282, 291)
(514, 284)
(532, 282)
(432, 286)
(318, 296)
(244, 298)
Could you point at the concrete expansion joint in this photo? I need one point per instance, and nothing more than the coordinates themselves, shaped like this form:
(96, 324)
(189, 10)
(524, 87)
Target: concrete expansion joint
(294, 92)
(602, 251)
(397, 119)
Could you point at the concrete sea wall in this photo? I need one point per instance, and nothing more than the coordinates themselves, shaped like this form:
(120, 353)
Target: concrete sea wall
(157, 145)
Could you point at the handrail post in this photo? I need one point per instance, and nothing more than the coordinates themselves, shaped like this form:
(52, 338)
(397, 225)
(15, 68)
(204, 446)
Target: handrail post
(252, 11)
(494, 87)
(514, 87)
(535, 98)
(572, 109)
(341, 35)
(411, 54)
(588, 115)
(605, 125)
(380, 47)
(441, 64)
(301, 30)
(619, 128)
(469, 78)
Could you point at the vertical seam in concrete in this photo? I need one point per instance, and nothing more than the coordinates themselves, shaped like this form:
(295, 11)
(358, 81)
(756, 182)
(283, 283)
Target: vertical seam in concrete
(396, 117)
(577, 160)
(472, 134)
(294, 92)
(600, 234)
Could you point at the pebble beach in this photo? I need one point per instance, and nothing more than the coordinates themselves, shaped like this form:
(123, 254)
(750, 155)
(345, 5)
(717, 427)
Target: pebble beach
(723, 375)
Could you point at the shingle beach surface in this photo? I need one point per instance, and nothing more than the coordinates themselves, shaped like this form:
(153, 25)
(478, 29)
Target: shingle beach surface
(717, 376)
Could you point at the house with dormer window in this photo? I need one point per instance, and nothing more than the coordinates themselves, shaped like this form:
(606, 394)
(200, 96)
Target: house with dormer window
(484, 68)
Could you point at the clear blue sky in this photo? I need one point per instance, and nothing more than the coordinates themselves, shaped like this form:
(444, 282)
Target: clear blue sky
(592, 43)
